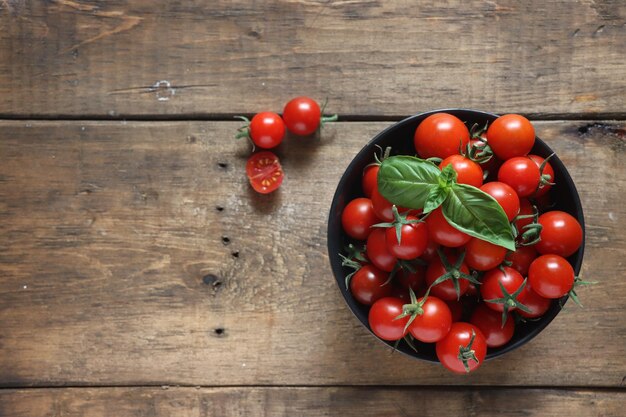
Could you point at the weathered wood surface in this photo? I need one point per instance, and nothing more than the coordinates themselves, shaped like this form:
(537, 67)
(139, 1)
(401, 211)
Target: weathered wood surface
(136, 253)
(323, 401)
(197, 57)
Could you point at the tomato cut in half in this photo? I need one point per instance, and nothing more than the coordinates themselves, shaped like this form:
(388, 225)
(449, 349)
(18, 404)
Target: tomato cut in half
(264, 172)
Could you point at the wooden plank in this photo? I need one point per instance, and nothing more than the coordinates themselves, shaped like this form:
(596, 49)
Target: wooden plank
(325, 401)
(136, 253)
(149, 57)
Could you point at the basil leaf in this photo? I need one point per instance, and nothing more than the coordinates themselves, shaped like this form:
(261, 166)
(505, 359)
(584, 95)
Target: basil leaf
(448, 176)
(435, 198)
(478, 214)
(407, 181)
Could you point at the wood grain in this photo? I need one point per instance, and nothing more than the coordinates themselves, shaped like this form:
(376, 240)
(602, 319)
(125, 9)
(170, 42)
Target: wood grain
(136, 253)
(323, 401)
(197, 58)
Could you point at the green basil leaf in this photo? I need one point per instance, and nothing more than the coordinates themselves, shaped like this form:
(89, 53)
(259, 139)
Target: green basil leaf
(478, 214)
(407, 181)
(448, 176)
(435, 198)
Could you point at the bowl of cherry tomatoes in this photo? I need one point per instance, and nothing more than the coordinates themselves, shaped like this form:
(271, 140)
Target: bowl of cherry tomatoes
(456, 236)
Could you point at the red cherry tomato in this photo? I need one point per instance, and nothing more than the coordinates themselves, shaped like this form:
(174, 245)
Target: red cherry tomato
(264, 172)
(440, 135)
(551, 276)
(522, 258)
(468, 171)
(505, 196)
(456, 345)
(435, 322)
(561, 234)
(456, 308)
(525, 208)
(369, 180)
(442, 232)
(367, 285)
(413, 280)
(430, 252)
(482, 255)
(522, 174)
(547, 170)
(400, 292)
(382, 319)
(377, 251)
(445, 290)
(358, 217)
(302, 115)
(267, 130)
(382, 207)
(490, 324)
(490, 288)
(413, 240)
(537, 304)
(511, 135)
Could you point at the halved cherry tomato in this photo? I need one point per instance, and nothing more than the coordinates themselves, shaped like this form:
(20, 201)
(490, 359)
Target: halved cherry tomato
(264, 172)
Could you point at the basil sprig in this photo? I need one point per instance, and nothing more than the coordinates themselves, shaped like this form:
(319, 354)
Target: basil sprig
(415, 183)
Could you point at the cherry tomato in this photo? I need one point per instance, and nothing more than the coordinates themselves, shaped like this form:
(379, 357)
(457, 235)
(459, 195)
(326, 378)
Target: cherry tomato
(367, 285)
(434, 323)
(511, 135)
(537, 304)
(369, 180)
(490, 324)
(505, 196)
(264, 172)
(413, 240)
(377, 251)
(400, 292)
(358, 217)
(490, 288)
(456, 308)
(382, 206)
(468, 171)
(561, 234)
(522, 258)
(482, 255)
(267, 130)
(302, 115)
(525, 208)
(456, 346)
(440, 135)
(442, 232)
(547, 170)
(522, 174)
(382, 319)
(430, 252)
(551, 276)
(414, 280)
(445, 290)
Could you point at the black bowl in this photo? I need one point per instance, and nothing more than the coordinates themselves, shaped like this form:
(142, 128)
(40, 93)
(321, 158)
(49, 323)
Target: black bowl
(400, 137)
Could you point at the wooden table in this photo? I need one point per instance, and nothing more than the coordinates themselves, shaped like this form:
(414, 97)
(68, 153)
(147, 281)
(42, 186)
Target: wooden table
(141, 276)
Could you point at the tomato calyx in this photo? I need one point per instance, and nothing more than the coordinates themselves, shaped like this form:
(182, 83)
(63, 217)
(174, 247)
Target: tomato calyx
(326, 119)
(399, 220)
(402, 264)
(545, 179)
(466, 353)
(453, 273)
(356, 253)
(477, 132)
(350, 263)
(244, 131)
(414, 309)
(509, 300)
(384, 154)
(530, 233)
(578, 282)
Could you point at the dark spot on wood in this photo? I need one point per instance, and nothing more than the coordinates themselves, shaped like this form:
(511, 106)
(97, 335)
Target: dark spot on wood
(191, 139)
(225, 240)
(575, 33)
(222, 165)
(235, 254)
(219, 208)
(219, 332)
(600, 29)
(85, 191)
(623, 381)
(211, 279)
(584, 129)
(254, 34)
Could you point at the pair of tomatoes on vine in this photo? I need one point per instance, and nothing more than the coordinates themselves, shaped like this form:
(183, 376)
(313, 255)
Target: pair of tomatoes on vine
(302, 116)
(427, 280)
